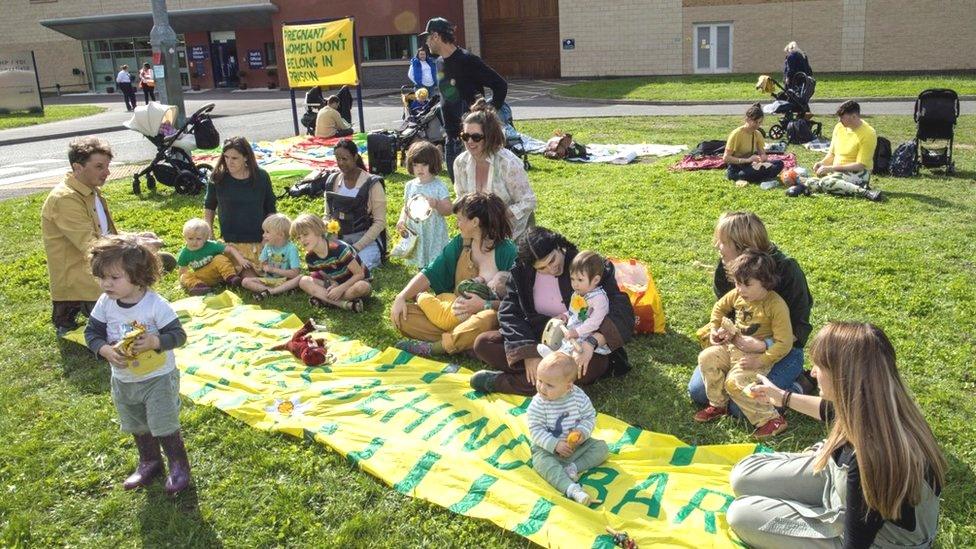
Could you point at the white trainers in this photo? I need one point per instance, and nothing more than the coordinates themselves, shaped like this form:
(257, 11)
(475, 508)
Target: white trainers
(576, 493)
(572, 471)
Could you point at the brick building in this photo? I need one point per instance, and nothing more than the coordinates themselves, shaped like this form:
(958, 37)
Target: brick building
(80, 44)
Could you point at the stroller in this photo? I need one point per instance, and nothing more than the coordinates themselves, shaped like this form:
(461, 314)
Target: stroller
(936, 112)
(793, 104)
(315, 100)
(173, 165)
(421, 122)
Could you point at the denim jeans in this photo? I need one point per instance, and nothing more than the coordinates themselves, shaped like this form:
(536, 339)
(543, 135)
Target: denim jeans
(452, 148)
(783, 374)
(752, 175)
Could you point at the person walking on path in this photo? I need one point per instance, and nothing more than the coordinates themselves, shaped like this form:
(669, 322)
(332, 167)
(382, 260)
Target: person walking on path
(124, 80)
(147, 82)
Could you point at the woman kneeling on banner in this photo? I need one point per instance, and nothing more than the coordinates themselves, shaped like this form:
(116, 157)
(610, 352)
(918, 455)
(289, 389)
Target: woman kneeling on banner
(481, 250)
(874, 482)
(357, 200)
(539, 290)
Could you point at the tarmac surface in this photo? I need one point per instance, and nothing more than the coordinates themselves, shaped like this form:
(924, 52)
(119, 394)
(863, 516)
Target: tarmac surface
(33, 158)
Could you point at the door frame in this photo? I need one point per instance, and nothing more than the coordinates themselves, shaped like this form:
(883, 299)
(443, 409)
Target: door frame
(713, 51)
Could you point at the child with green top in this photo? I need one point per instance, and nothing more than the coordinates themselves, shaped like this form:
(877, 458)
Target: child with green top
(202, 262)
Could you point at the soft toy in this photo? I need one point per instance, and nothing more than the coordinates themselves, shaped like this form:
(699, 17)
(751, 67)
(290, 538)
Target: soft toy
(311, 351)
(789, 177)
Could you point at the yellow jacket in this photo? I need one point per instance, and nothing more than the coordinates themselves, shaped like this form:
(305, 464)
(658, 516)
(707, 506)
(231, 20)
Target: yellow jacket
(69, 224)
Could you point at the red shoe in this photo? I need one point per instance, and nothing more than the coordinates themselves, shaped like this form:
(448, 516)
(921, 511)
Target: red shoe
(771, 428)
(711, 413)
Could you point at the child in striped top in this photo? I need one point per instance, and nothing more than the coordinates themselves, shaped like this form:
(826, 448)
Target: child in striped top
(337, 277)
(561, 419)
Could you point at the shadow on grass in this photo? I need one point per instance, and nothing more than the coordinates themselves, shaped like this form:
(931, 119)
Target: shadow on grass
(86, 373)
(168, 521)
(925, 199)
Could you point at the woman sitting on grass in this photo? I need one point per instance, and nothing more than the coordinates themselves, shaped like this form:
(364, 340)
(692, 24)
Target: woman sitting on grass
(874, 482)
(745, 151)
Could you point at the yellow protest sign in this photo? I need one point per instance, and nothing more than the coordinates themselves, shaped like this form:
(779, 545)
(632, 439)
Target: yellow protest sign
(419, 427)
(320, 54)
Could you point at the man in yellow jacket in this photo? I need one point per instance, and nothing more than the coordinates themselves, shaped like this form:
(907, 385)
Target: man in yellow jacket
(74, 215)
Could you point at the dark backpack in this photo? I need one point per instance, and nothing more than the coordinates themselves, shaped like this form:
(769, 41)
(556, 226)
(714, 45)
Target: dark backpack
(712, 147)
(882, 157)
(799, 131)
(312, 186)
(904, 162)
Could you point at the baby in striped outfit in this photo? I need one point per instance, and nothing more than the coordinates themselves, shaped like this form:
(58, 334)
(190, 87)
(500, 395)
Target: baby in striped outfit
(561, 419)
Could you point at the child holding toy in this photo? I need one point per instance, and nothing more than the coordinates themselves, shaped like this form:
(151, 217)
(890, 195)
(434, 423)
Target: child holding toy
(729, 372)
(588, 306)
(561, 419)
(202, 262)
(424, 162)
(279, 260)
(337, 276)
(136, 330)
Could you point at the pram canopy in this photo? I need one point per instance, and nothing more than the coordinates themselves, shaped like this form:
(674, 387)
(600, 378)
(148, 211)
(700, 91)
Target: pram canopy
(147, 119)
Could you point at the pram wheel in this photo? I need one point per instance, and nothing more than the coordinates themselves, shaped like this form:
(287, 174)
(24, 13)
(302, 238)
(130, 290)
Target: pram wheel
(135, 185)
(950, 168)
(150, 182)
(776, 131)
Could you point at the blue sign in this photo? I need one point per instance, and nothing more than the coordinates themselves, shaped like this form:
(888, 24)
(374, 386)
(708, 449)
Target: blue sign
(569, 43)
(198, 53)
(255, 59)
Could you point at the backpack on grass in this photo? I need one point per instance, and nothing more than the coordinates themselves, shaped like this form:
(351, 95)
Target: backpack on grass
(712, 147)
(904, 162)
(882, 157)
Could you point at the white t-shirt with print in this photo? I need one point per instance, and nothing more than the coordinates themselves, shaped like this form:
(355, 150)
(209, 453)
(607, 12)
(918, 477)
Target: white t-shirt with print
(153, 312)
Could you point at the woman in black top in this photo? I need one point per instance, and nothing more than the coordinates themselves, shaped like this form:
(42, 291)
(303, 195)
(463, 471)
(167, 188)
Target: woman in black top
(874, 482)
(240, 195)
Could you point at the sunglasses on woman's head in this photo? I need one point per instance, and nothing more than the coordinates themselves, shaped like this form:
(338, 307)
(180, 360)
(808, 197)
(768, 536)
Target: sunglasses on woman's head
(476, 137)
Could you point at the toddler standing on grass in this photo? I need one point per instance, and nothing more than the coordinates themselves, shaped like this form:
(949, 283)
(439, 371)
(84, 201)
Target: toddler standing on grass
(202, 262)
(279, 260)
(136, 330)
(337, 276)
(424, 162)
(561, 419)
(728, 372)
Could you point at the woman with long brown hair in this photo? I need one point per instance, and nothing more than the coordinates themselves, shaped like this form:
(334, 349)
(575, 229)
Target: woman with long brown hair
(239, 194)
(874, 482)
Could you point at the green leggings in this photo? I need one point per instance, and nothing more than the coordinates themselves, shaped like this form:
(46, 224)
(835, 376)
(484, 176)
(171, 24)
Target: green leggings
(840, 183)
(552, 467)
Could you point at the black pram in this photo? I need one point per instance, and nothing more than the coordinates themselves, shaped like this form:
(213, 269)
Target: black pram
(793, 104)
(173, 165)
(936, 112)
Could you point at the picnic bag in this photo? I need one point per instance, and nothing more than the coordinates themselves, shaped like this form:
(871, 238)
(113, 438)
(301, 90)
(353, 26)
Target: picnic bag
(712, 147)
(904, 162)
(799, 131)
(381, 148)
(558, 146)
(882, 157)
(313, 185)
(636, 281)
(407, 246)
(205, 134)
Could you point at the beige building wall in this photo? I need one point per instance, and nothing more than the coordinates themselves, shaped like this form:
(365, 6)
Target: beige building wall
(57, 54)
(922, 35)
(761, 30)
(625, 37)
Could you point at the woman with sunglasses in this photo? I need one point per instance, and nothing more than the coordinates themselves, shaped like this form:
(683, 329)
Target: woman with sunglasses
(239, 194)
(481, 250)
(487, 166)
(539, 290)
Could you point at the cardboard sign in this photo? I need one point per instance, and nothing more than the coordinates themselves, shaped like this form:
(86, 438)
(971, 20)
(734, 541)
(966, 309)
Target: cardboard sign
(19, 90)
(320, 54)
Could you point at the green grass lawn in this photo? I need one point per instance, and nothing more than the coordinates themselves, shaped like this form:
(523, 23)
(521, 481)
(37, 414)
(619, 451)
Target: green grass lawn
(906, 264)
(742, 86)
(52, 113)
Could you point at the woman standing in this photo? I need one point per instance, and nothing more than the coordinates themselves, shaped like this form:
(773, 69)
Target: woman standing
(148, 83)
(539, 290)
(796, 61)
(874, 482)
(240, 195)
(423, 71)
(357, 200)
(486, 166)
(481, 250)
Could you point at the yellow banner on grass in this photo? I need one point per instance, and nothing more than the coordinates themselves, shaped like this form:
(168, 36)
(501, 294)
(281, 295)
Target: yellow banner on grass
(419, 427)
(320, 54)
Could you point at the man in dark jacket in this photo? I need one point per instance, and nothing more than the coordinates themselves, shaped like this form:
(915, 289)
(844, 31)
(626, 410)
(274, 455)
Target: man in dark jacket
(465, 77)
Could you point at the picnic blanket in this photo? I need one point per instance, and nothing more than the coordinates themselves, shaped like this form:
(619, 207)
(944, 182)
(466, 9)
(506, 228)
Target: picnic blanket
(690, 163)
(416, 425)
(820, 144)
(608, 154)
(300, 154)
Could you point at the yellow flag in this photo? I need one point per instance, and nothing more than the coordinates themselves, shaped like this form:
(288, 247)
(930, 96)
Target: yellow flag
(320, 54)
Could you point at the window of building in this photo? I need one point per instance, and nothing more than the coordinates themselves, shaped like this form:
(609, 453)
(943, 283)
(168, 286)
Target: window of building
(387, 48)
(103, 58)
(270, 55)
(713, 47)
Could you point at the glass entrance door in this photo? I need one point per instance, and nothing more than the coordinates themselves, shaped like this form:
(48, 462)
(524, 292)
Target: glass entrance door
(223, 54)
(713, 48)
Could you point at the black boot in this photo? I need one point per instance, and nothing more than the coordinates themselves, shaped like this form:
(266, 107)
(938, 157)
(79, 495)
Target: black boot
(179, 464)
(150, 462)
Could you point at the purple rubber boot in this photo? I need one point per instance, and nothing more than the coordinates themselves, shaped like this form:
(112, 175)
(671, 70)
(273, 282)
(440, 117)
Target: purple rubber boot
(179, 464)
(150, 463)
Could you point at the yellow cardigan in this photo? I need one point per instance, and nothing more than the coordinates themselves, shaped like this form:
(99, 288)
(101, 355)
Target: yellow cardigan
(69, 224)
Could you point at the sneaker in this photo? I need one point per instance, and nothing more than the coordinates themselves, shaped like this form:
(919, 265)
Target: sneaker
(711, 413)
(767, 185)
(415, 347)
(874, 195)
(356, 306)
(576, 493)
(199, 289)
(572, 472)
(169, 261)
(262, 295)
(771, 428)
(483, 381)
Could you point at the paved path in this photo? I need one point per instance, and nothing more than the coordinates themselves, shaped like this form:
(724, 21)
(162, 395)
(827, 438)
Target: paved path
(34, 157)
